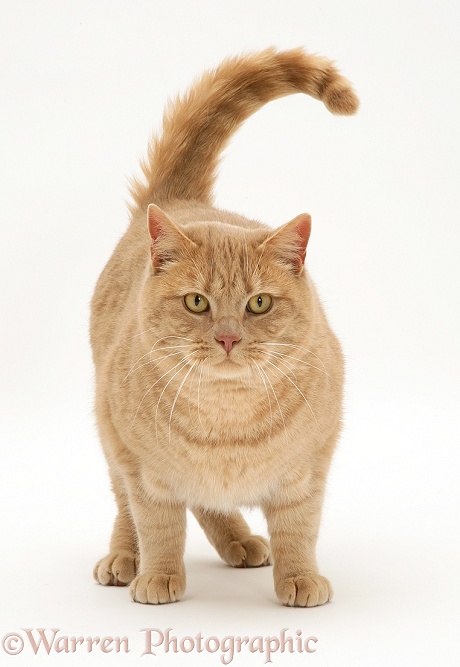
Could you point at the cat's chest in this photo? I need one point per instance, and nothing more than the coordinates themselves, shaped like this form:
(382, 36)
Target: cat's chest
(221, 475)
(215, 417)
(216, 445)
(229, 454)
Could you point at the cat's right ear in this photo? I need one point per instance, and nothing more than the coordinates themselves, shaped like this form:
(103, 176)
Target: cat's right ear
(167, 240)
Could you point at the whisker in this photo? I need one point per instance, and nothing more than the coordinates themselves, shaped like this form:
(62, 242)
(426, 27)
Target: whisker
(182, 361)
(300, 392)
(136, 362)
(300, 347)
(150, 361)
(176, 397)
(191, 340)
(168, 347)
(278, 404)
(162, 337)
(198, 396)
(286, 364)
(190, 393)
(266, 391)
(251, 375)
(306, 363)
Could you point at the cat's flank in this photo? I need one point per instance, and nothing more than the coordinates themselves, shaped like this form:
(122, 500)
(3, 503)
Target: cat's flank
(218, 379)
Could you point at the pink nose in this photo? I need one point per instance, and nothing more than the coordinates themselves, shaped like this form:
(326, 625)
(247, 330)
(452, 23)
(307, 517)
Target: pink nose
(227, 340)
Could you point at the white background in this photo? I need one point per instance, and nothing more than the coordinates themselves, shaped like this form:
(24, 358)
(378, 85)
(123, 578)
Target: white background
(82, 86)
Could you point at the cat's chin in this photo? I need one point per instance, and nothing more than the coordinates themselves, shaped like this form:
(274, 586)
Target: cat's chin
(229, 369)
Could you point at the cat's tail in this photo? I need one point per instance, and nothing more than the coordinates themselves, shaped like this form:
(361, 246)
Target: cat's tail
(182, 161)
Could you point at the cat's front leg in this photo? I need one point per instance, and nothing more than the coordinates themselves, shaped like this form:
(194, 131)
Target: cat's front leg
(161, 528)
(293, 526)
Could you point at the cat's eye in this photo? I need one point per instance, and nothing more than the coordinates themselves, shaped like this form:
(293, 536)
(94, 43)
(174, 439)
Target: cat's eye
(197, 303)
(258, 304)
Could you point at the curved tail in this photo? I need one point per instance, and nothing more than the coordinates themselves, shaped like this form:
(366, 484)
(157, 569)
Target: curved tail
(182, 161)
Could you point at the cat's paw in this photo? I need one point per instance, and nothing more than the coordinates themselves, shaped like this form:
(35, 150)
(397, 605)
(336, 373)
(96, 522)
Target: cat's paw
(253, 552)
(116, 569)
(307, 590)
(157, 588)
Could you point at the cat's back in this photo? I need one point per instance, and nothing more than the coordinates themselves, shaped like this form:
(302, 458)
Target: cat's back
(116, 289)
(185, 213)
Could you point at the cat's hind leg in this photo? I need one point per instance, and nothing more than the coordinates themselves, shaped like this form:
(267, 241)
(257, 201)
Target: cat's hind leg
(119, 567)
(231, 537)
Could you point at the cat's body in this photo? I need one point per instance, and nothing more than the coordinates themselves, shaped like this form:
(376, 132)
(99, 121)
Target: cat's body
(205, 403)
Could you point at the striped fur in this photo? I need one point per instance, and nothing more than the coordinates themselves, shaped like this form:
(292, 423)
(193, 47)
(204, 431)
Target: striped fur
(183, 422)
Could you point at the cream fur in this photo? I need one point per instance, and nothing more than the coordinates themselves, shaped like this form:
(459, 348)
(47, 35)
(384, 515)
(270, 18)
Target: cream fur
(183, 423)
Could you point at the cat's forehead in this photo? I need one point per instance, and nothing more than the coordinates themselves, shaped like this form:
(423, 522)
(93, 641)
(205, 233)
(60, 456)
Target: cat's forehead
(229, 257)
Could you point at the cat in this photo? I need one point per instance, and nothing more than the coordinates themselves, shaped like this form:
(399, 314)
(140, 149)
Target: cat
(218, 378)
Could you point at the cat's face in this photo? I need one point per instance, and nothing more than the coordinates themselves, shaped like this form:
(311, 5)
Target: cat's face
(226, 298)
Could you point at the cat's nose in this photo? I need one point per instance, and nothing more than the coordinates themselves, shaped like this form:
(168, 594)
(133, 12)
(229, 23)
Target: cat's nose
(228, 340)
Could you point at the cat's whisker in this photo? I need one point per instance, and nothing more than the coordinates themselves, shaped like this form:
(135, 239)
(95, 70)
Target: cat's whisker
(184, 364)
(301, 361)
(191, 340)
(182, 361)
(300, 392)
(177, 396)
(286, 364)
(141, 333)
(191, 382)
(147, 354)
(266, 391)
(198, 396)
(252, 380)
(300, 347)
(278, 404)
(150, 361)
(169, 347)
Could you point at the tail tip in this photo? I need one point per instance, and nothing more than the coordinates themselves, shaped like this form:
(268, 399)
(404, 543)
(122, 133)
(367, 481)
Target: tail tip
(341, 99)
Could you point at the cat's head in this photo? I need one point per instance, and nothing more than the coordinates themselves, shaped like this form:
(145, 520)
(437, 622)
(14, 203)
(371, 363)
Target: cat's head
(225, 297)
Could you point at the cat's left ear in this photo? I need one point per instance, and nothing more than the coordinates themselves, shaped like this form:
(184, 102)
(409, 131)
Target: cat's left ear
(289, 242)
(168, 241)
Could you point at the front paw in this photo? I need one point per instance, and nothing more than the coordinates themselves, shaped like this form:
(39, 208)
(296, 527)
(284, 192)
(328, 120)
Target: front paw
(304, 590)
(252, 552)
(157, 588)
(117, 569)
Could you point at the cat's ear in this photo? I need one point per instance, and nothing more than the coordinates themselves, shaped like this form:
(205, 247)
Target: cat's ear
(289, 242)
(167, 240)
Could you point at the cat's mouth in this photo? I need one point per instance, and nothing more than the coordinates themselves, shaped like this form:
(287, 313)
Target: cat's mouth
(228, 366)
(228, 361)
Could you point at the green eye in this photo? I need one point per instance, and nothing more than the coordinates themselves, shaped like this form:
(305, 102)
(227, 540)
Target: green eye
(197, 303)
(259, 304)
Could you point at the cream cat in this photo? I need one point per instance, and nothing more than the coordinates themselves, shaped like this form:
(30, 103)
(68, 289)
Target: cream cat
(219, 381)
